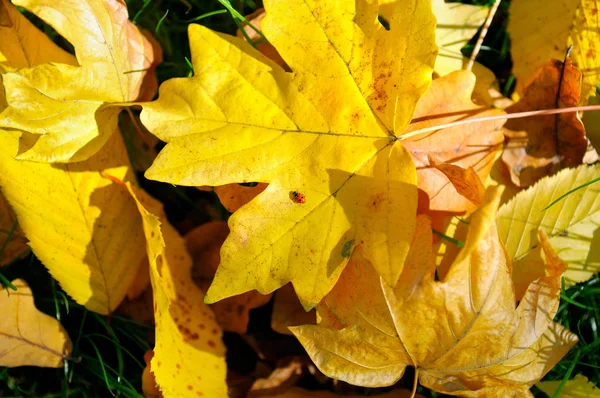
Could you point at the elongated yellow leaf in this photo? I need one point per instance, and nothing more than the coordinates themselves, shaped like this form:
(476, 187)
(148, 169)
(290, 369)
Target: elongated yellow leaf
(326, 131)
(27, 336)
(68, 108)
(571, 224)
(189, 356)
(82, 226)
(579, 387)
(543, 29)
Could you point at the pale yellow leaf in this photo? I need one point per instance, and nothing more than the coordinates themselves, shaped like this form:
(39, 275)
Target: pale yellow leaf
(578, 387)
(27, 336)
(72, 110)
(571, 224)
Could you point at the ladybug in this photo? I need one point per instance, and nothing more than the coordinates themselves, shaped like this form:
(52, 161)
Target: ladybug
(298, 197)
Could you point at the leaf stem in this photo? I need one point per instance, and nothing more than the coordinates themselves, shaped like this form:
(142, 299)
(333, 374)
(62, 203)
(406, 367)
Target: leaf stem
(415, 383)
(484, 30)
(518, 115)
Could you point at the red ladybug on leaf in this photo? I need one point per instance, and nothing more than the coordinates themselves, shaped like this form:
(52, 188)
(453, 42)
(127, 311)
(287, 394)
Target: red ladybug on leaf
(298, 197)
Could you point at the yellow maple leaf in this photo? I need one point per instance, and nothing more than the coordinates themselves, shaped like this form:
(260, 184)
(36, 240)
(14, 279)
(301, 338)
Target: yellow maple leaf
(83, 227)
(189, 356)
(465, 335)
(328, 131)
(29, 337)
(571, 224)
(543, 29)
(71, 111)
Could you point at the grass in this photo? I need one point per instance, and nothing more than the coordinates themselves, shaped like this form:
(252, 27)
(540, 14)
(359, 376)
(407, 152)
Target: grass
(107, 355)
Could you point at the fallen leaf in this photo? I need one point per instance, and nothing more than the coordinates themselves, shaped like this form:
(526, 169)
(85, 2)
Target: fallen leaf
(472, 340)
(541, 145)
(234, 196)
(189, 356)
(297, 392)
(287, 311)
(149, 387)
(466, 181)
(71, 111)
(13, 244)
(471, 145)
(23, 45)
(285, 376)
(29, 337)
(541, 30)
(326, 131)
(456, 25)
(140, 308)
(571, 224)
(579, 387)
(83, 227)
(204, 243)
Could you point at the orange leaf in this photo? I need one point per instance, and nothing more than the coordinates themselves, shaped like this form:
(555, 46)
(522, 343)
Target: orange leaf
(542, 145)
(204, 244)
(473, 145)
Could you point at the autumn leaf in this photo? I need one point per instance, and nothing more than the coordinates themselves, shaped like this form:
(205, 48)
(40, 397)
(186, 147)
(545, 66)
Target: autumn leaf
(72, 110)
(328, 131)
(579, 387)
(456, 25)
(83, 227)
(472, 145)
(542, 30)
(288, 311)
(297, 392)
(541, 145)
(13, 244)
(472, 340)
(204, 243)
(571, 224)
(189, 356)
(29, 337)
(234, 196)
(22, 45)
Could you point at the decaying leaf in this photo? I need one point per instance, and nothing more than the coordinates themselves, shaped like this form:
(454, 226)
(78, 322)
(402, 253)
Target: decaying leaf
(204, 243)
(189, 356)
(287, 311)
(323, 133)
(542, 30)
(465, 180)
(71, 111)
(27, 336)
(82, 226)
(571, 224)
(472, 340)
(541, 145)
(283, 377)
(13, 244)
(473, 145)
(579, 387)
